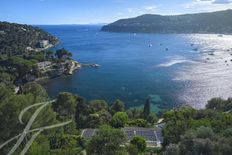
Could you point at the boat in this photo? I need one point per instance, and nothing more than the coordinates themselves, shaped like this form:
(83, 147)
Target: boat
(211, 54)
(95, 65)
(195, 49)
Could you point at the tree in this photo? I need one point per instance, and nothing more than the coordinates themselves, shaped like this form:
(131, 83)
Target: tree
(100, 118)
(118, 106)
(201, 141)
(49, 54)
(40, 146)
(21, 66)
(135, 113)
(177, 122)
(119, 119)
(5, 92)
(82, 110)
(139, 143)
(104, 117)
(6, 78)
(107, 141)
(172, 149)
(63, 54)
(138, 123)
(98, 105)
(219, 104)
(146, 109)
(35, 89)
(65, 105)
(132, 150)
(10, 109)
(92, 121)
(216, 104)
(152, 118)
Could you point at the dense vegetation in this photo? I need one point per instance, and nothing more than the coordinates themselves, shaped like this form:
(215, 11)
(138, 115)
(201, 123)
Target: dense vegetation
(67, 139)
(186, 131)
(20, 69)
(207, 132)
(215, 22)
(15, 38)
(18, 64)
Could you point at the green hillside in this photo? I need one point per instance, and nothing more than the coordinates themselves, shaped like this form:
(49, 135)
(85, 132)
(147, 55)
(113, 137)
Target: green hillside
(16, 38)
(214, 22)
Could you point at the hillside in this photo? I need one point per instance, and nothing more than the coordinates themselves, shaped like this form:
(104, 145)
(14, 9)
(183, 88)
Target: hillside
(214, 22)
(24, 55)
(17, 38)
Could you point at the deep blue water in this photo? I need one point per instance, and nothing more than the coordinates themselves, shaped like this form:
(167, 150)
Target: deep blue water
(138, 66)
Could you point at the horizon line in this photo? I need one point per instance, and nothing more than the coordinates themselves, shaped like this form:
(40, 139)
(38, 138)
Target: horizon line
(106, 23)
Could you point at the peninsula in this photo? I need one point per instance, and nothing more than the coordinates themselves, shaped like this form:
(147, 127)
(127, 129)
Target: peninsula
(213, 22)
(25, 55)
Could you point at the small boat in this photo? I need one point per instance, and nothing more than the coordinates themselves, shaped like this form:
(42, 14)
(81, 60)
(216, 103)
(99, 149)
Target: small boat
(95, 65)
(166, 49)
(211, 54)
(195, 49)
(150, 45)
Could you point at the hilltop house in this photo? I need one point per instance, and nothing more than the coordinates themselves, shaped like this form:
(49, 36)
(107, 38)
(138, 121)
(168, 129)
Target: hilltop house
(43, 43)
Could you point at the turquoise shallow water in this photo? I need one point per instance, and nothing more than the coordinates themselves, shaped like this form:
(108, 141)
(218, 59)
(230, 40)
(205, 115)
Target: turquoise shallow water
(170, 69)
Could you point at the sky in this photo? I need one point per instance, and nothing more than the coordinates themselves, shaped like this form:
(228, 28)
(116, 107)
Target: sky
(99, 11)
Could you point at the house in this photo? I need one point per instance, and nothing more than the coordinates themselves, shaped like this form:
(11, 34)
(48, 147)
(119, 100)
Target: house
(43, 43)
(153, 136)
(43, 65)
(2, 32)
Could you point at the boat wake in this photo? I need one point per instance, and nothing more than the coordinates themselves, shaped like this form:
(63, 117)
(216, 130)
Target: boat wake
(172, 63)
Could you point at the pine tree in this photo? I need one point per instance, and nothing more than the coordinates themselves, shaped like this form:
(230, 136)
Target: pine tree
(146, 109)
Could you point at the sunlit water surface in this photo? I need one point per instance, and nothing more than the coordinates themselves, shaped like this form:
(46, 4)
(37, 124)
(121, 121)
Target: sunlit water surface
(169, 69)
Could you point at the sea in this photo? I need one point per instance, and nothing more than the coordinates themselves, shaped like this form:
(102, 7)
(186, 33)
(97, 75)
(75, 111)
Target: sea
(171, 70)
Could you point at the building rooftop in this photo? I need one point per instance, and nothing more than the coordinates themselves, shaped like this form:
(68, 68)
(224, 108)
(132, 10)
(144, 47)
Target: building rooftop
(153, 136)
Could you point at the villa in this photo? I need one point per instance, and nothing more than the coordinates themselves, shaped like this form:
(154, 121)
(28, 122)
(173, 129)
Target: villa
(43, 65)
(43, 43)
(153, 136)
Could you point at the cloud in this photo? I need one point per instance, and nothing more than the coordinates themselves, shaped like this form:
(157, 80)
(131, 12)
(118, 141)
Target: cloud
(214, 1)
(130, 10)
(150, 8)
(208, 5)
(222, 2)
(143, 10)
(120, 13)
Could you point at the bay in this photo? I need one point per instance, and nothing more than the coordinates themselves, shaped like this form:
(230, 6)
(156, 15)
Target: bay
(170, 69)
